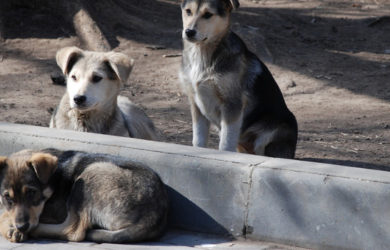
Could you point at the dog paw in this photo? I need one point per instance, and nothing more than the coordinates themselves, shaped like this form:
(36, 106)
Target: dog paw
(14, 235)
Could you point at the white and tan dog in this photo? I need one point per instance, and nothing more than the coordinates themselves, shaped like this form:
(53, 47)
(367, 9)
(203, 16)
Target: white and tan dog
(92, 102)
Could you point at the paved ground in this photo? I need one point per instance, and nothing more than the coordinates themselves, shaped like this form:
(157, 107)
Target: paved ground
(173, 240)
(330, 58)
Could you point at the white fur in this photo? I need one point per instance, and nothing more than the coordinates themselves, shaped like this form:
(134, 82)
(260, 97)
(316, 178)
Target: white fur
(263, 140)
(103, 111)
(197, 79)
(230, 134)
(54, 230)
(97, 94)
(200, 129)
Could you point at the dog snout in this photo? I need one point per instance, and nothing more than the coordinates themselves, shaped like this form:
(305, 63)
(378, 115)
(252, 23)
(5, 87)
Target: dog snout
(79, 99)
(190, 33)
(22, 227)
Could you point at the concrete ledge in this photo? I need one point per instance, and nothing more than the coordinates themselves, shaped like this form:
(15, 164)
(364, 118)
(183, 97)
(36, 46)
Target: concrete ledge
(302, 203)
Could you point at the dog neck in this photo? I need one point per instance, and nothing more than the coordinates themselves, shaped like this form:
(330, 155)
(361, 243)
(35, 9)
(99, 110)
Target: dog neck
(97, 121)
(202, 52)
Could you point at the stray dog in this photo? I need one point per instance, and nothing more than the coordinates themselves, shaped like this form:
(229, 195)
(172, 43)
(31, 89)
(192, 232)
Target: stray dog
(91, 102)
(80, 196)
(228, 86)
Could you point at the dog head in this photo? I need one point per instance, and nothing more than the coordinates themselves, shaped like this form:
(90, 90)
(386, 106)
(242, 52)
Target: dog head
(24, 186)
(94, 79)
(205, 21)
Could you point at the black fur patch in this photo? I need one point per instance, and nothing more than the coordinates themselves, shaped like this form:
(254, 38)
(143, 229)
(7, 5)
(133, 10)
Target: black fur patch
(110, 71)
(223, 7)
(73, 58)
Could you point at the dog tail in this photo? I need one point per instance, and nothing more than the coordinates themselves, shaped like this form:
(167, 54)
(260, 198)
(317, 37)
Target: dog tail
(138, 123)
(129, 234)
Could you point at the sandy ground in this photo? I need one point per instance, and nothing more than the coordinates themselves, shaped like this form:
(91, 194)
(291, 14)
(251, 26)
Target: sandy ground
(331, 60)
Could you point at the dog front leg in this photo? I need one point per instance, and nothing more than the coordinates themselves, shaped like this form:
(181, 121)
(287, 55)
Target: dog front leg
(230, 134)
(5, 224)
(200, 127)
(8, 231)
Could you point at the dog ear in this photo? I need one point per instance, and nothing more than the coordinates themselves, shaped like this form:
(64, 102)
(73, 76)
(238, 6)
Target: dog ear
(67, 57)
(232, 4)
(44, 165)
(235, 4)
(121, 64)
(2, 161)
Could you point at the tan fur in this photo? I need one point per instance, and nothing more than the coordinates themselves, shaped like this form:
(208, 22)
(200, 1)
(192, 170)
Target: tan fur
(64, 55)
(2, 160)
(77, 230)
(4, 224)
(104, 111)
(7, 229)
(18, 165)
(44, 165)
(34, 213)
(73, 228)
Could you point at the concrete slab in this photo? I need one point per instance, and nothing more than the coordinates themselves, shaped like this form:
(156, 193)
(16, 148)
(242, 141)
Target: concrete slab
(298, 203)
(316, 210)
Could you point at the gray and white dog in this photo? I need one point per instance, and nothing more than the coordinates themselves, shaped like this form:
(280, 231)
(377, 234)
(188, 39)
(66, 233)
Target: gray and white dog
(228, 86)
(92, 102)
(73, 196)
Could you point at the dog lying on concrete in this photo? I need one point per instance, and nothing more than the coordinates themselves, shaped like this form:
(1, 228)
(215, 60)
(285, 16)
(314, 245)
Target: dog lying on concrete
(92, 102)
(228, 86)
(73, 196)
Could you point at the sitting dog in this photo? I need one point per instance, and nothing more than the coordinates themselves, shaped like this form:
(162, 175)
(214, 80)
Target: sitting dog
(73, 196)
(228, 86)
(91, 102)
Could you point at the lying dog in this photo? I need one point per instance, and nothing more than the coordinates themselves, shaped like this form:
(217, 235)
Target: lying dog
(91, 103)
(80, 196)
(230, 87)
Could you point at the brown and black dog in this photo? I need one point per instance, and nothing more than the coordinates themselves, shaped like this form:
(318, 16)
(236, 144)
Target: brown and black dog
(73, 196)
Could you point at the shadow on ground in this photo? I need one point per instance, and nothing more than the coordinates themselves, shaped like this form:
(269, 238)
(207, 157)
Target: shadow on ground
(287, 31)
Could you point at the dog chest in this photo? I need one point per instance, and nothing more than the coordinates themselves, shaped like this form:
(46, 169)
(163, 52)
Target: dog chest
(207, 100)
(200, 81)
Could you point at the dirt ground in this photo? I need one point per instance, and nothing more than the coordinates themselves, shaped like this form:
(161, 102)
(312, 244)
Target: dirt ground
(331, 60)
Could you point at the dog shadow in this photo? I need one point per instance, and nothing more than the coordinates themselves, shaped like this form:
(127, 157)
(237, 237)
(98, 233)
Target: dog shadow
(184, 212)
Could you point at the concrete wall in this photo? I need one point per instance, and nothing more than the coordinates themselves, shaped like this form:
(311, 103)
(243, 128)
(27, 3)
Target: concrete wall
(301, 203)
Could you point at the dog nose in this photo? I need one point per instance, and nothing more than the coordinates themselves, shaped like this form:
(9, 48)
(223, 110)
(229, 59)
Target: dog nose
(23, 227)
(79, 99)
(190, 33)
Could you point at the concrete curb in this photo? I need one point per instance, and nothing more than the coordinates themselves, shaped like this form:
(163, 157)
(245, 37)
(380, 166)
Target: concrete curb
(301, 203)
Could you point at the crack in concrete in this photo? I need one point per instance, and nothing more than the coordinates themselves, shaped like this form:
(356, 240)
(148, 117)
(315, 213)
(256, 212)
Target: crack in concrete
(248, 199)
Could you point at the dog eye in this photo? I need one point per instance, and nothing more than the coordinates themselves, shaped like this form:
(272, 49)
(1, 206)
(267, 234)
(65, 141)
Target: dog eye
(74, 77)
(8, 198)
(31, 192)
(188, 11)
(207, 15)
(96, 78)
